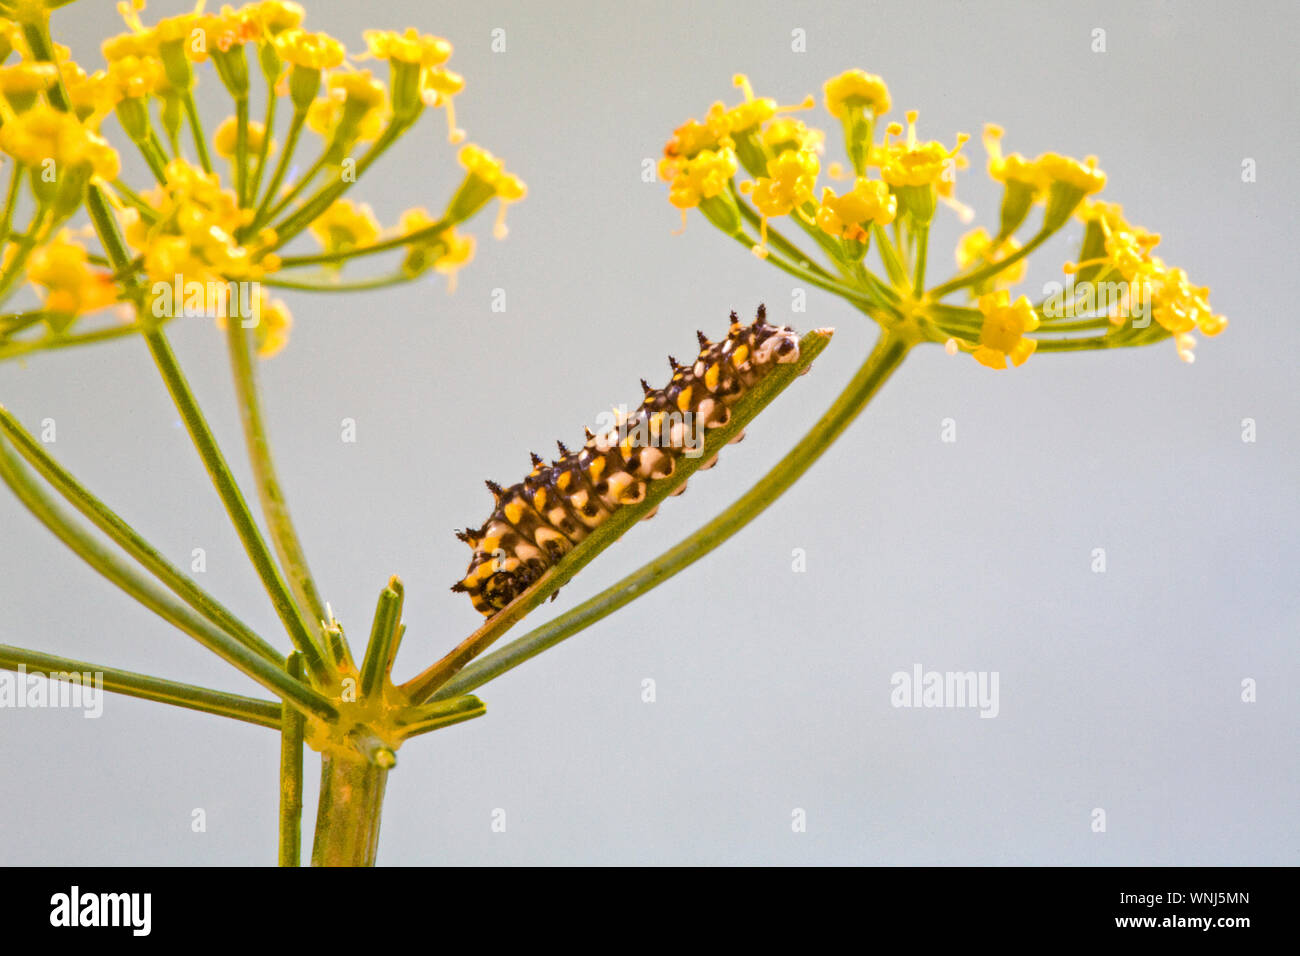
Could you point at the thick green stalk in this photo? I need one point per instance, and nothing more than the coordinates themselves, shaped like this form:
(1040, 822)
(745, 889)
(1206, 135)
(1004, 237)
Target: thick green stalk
(885, 358)
(347, 817)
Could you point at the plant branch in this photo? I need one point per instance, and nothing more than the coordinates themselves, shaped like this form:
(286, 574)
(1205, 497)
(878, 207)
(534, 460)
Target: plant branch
(263, 713)
(421, 687)
(885, 358)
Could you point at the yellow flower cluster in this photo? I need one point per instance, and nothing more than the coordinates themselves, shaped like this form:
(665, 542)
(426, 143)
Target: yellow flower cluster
(1179, 307)
(189, 226)
(191, 232)
(897, 180)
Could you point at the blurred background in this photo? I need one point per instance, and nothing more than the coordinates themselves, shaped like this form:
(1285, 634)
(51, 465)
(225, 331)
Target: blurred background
(1120, 690)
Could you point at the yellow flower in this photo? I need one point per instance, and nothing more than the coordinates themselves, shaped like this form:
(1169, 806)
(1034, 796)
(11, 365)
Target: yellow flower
(1180, 307)
(788, 132)
(43, 135)
(856, 90)
(356, 109)
(276, 16)
(11, 38)
(1003, 333)
(486, 178)
(911, 163)
(754, 112)
(408, 47)
(194, 233)
(701, 177)
(225, 139)
(311, 51)
(1009, 169)
(445, 250)
(850, 216)
(271, 334)
(976, 248)
(693, 137)
(1052, 168)
(789, 183)
(345, 225)
(22, 82)
(134, 76)
(72, 287)
(459, 251)
(418, 76)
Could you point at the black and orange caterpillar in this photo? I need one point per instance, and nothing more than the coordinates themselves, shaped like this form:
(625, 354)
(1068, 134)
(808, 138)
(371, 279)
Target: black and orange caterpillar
(538, 520)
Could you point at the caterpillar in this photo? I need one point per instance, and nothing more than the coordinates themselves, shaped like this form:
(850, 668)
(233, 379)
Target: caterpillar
(537, 521)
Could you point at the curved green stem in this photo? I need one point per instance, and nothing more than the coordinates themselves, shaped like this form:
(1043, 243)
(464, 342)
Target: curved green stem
(890, 351)
(353, 285)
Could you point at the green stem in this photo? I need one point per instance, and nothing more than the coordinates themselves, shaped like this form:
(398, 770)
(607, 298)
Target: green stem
(990, 270)
(263, 713)
(236, 507)
(417, 235)
(347, 817)
(129, 540)
(830, 285)
(885, 358)
(13, 349)
(11, 201)
(241, 149)
(385, 636)
(306, 214)
(291, 734)
(355, 285)
(922, 235)
(271, 676)
(196, 130)
(268, 127)
(277, 177)
(284, 537)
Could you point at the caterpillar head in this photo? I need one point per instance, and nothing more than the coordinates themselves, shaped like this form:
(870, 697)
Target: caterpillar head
(778, 344)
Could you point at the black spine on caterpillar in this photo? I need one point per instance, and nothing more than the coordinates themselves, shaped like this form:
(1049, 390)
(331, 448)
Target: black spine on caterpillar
(536, 521)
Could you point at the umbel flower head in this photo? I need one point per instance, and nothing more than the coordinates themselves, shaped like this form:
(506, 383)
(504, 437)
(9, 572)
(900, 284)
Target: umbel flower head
(238, 203)
(752, 167)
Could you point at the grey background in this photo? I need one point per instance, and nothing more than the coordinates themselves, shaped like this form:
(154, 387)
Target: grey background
(1119, 691)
